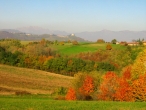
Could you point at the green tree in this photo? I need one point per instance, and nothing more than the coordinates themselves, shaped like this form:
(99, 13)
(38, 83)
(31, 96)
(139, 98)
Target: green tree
(114, 41)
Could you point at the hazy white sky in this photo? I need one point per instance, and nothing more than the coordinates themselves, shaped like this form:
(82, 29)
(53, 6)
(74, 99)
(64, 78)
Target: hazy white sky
(74, 15)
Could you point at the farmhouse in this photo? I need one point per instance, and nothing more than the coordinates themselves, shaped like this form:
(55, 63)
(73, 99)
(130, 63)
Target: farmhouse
(144, 43)
(117, 43)
(132, 43)
(123, 43)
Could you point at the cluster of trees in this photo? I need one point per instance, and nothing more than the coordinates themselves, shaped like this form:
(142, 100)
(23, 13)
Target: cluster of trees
(41, 55)
(113, 59)
(129, 85)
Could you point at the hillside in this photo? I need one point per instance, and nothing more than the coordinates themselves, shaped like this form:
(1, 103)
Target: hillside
(37, 33)
(29, 37)
(14, 79)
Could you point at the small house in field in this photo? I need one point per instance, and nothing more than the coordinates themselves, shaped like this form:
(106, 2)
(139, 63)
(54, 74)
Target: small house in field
(117, 43)
(132, 43)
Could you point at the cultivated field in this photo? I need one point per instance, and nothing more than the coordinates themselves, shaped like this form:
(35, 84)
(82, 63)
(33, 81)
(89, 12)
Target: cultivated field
(14, 80)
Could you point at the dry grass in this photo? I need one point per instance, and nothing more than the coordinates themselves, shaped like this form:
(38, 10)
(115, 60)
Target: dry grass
(14, 79)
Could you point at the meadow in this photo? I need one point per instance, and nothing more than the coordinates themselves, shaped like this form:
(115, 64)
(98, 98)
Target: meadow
(47, 103)
(69, 49)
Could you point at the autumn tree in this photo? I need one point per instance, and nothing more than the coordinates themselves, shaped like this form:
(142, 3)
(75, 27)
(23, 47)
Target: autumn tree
(139, 66)
(108, 87)
(108, 47)
(124, 89)
(75, 42)
(100, 41)
(87, 88)
(86, 85)
(139, 88)
(71, 94)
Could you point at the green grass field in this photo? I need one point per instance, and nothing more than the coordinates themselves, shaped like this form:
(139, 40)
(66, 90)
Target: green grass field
(47, 103)
(69, 49)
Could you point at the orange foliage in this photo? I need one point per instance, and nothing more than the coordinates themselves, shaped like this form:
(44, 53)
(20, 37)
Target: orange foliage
(98, 56)
(139, 88)
(123, 92)
(87, 87)
(71, 94)
(108, 47)
(123, 88)
(44, 58)
(100, 41)
(127, 73)
(108, 86)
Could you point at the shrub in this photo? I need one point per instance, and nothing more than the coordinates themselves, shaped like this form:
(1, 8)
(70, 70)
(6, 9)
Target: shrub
(108, 47)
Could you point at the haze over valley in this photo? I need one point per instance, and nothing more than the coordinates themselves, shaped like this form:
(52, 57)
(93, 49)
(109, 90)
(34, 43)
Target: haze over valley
(107, 35)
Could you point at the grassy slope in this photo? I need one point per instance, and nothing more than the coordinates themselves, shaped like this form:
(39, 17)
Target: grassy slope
(14, 79)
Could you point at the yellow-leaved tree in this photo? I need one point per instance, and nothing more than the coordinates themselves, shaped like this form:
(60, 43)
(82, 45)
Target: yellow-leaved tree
(138, 80)
(139, 67)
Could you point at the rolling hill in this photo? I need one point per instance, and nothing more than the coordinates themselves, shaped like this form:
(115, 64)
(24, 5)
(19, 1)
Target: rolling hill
(15, 80)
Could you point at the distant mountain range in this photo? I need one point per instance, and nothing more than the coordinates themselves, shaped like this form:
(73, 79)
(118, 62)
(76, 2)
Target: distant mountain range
(107, 35)
(25, 36)
(39, 31)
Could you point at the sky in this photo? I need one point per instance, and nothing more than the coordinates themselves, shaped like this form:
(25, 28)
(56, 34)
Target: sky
(74, 15)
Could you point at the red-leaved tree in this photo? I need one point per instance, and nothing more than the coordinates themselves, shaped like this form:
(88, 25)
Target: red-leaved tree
(108, 86)
(87, 88)
(71, 94)
(124, 90)
(139, 88)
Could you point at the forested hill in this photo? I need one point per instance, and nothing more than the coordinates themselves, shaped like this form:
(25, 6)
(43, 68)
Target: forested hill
(51, 37)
